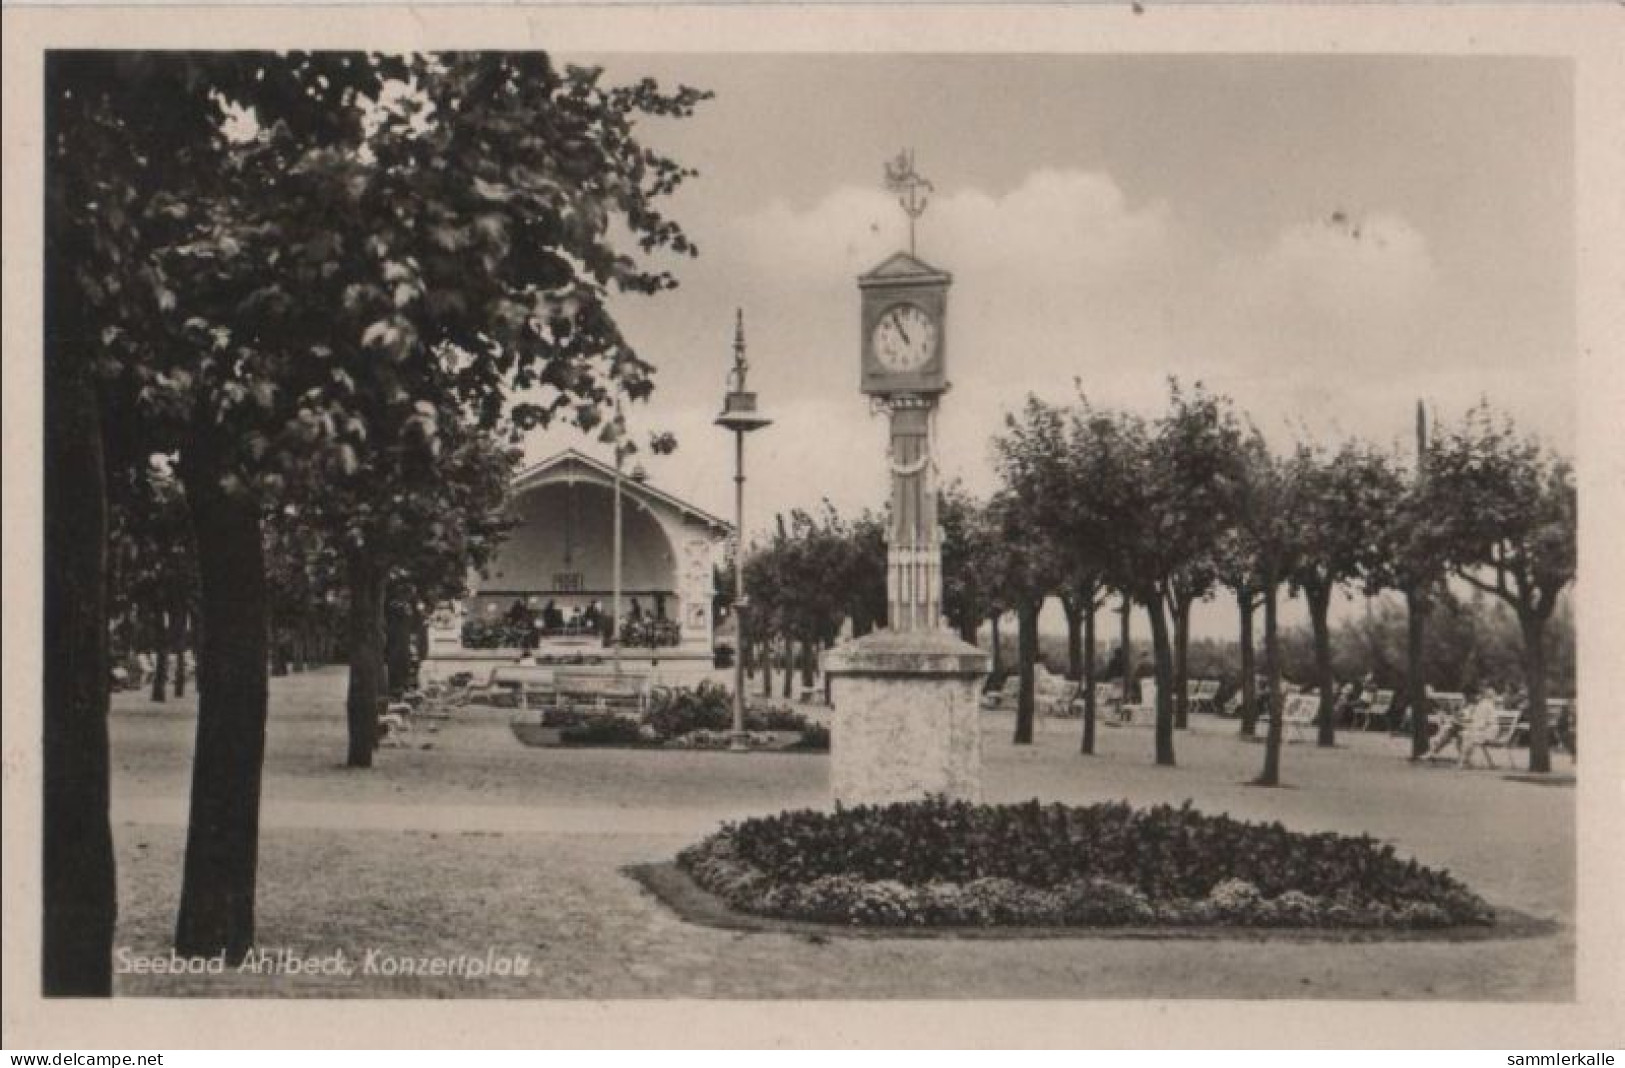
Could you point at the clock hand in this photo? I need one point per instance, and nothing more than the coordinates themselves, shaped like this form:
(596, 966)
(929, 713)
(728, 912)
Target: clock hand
(899, 324)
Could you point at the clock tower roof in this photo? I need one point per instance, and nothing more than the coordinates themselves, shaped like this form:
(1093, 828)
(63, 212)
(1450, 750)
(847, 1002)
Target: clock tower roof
(902, 268)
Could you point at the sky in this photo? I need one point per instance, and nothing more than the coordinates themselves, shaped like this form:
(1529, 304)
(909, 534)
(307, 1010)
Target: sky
(1326, 240)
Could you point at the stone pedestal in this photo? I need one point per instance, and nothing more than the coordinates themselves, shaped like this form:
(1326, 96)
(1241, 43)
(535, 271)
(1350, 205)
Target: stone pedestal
(906, 717)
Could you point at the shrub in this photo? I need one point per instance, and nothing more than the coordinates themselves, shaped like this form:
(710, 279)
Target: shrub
(707, 709)
(675, 712)
(494, 634)
(605, 730)
(1105, 864)
(814, 736)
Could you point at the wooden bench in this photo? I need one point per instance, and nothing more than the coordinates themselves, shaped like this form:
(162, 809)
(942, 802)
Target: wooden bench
(1500, 733)
(1147, 704)
(1302, 714)
(1006, 696)
(1202, 695)
(589, 691)
(1050, 695)
(1108, 700)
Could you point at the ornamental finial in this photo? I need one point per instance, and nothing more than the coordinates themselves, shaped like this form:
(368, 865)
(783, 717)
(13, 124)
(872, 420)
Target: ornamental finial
(913, 189)
(740, 366)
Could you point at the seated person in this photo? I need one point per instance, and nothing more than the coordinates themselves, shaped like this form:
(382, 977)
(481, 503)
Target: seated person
(1451, 732)
(1480, 728)
(1563, 728)
(394, 724)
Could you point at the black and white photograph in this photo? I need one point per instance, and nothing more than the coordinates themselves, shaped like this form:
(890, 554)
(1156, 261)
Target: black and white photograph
(776, 508)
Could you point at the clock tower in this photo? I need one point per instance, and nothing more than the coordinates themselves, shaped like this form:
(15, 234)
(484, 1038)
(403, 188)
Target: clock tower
(906, 697)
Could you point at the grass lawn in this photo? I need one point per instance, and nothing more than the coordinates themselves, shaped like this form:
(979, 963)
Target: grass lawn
(471, 842)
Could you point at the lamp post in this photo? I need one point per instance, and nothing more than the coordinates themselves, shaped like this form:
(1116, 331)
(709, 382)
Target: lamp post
(615, 610)
(739, 414)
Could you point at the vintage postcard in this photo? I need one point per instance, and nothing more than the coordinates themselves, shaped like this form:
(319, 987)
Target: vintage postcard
(813, 525)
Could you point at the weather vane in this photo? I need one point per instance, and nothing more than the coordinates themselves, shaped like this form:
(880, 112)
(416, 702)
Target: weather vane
(913, 191)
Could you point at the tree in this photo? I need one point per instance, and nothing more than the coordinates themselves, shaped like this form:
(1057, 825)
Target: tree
(967, 595)
(1172, 493)
(1340, 506)
(1237, 571)
(1508, 509)
(334, 261)
(1086, 508)
(1266, 501)
(1410, 553)
(864, 576)
(1028, 513)
(125, 133)
(154, 573)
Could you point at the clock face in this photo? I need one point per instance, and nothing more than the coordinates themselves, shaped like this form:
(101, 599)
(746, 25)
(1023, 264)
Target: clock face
(905, 338)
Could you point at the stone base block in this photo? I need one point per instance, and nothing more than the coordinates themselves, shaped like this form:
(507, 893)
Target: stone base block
(905, 718)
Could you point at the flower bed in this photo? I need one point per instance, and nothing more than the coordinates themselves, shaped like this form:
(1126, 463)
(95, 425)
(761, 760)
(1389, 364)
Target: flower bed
(701, 718)
(694, 717)
(940, 863)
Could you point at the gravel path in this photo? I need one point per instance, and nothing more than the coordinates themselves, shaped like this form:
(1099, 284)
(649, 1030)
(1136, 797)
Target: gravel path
(478, 844)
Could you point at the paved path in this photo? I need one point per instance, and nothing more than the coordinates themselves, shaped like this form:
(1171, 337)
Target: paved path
(478, 843)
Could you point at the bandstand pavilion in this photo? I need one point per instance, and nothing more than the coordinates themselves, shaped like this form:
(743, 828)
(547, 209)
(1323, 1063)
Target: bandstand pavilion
(548, 594)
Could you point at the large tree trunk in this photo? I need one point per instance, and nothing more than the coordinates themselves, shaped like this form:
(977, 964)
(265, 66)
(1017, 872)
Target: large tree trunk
(1534, 651)
(1320, 601)
(766, 654)
(1027, 657)
(398, 649)
(1249, 674)
(1182, 644)
(1088, 677)
(1416, 689)
(1271, 775)
(78, 888)
(1073, 611)
(368, 677)
(222, 840)
(998, 659)
(1163, 657)
(788, 685)
(808, 660)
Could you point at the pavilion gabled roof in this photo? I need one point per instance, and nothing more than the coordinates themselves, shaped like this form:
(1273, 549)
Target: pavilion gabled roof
(536, 473)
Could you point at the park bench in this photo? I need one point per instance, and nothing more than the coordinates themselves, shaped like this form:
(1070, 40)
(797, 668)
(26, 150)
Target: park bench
(1108, 700)
(1500, 733)
(1301, 714)
(1202, 695)
(1006, 696)
(589, 692)
(1147, 704)
(1050, 694)
(1445, 706)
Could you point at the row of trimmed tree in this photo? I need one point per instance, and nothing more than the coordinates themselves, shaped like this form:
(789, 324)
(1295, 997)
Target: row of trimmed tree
(1164, 512)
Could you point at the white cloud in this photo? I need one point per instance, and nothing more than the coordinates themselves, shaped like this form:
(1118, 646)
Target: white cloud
(1355, 270)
